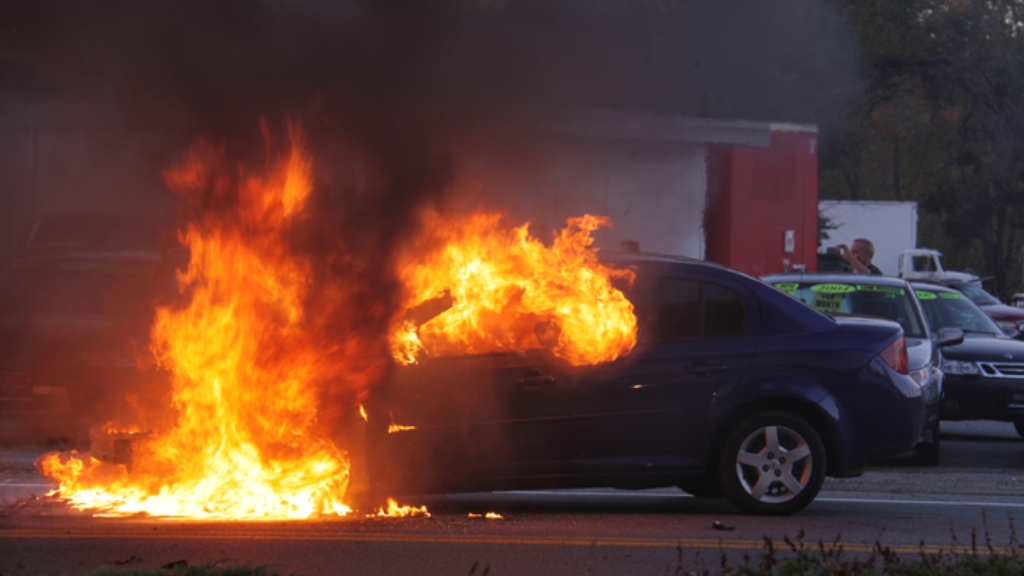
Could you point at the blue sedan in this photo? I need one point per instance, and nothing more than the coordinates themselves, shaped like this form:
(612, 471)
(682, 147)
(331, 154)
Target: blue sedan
(735, 388)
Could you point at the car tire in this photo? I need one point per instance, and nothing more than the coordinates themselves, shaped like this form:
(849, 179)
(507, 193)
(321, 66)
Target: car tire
(772, 463)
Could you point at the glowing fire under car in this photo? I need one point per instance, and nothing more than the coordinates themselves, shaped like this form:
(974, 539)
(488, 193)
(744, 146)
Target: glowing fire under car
(255, 351)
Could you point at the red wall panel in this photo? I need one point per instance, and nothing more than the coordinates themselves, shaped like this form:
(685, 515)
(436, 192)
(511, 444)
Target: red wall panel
(755, 195)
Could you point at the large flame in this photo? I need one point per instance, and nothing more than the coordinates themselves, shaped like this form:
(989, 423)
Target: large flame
(474, 286)
(247, 360)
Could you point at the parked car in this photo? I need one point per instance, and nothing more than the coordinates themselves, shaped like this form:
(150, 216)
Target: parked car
(1010, 319)
(984, 376)
(734, 388)
(75, 310)
(892, 299)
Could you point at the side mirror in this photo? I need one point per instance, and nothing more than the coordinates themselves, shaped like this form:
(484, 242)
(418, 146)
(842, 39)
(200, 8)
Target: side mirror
(949, 337)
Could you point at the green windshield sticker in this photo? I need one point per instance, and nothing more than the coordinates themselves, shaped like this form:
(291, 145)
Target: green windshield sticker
(788, 287)
(922, 295)
(873, 288)
(952, 295)
(833, 288)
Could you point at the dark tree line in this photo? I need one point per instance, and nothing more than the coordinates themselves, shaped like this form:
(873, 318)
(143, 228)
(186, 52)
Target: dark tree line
(940, 120)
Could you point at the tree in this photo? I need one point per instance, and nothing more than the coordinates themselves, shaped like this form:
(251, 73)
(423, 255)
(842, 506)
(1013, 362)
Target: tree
(941, 121)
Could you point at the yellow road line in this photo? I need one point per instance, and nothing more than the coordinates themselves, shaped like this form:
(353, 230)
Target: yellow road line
(688, 543)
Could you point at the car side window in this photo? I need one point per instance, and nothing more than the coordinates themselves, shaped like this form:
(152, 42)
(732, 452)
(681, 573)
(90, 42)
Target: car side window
(677, 316)
(677, 310)
(724, 312)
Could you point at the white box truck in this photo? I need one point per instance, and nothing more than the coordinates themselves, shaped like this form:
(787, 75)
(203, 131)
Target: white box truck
(891, 227)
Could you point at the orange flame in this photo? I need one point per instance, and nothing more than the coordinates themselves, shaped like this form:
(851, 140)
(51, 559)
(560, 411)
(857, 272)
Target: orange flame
(508, 291)
(394, 510)
(487, 516)
(249, 366)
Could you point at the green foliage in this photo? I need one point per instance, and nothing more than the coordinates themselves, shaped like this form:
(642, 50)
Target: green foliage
(940, 121)
(797, 558)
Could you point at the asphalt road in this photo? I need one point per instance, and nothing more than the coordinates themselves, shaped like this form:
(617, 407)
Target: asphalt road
(977, 490)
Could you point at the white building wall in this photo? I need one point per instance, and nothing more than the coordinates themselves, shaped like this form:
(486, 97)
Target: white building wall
(653, 193)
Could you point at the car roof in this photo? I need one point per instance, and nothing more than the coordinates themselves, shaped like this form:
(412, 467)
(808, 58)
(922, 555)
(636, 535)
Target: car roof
(837, 277)
(617, 256)
(645, 259)
(933, 287)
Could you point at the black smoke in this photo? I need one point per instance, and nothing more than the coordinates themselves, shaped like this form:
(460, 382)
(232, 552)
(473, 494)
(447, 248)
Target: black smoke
(385, 91)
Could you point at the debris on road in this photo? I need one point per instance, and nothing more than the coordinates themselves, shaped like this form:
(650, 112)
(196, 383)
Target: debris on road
(488, 516)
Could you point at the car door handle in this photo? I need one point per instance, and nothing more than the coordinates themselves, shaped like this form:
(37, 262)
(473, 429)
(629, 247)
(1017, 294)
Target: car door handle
(705, 368)
(535, 380)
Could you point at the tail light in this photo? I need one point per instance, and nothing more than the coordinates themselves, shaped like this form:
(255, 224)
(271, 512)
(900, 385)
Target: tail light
(895, 355)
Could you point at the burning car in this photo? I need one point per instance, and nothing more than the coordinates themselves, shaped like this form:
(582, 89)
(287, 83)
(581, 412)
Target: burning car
(733, 388)
(482, 358)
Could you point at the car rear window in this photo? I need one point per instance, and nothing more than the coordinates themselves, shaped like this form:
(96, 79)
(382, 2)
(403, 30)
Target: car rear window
(861, 299)
(977, 295)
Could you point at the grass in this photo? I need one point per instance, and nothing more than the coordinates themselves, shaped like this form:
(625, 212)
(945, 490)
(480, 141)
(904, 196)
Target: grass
(797, 558)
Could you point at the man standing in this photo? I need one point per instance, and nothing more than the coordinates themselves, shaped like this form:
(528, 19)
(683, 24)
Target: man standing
(860, 255)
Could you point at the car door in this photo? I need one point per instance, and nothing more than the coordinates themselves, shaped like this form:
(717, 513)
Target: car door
(478, 418)
(648, 412)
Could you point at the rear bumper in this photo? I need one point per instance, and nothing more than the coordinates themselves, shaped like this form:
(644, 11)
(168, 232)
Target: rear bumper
(909, 417)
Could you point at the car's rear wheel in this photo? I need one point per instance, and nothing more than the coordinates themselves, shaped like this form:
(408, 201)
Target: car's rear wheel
(1019, 426)
(773, 463)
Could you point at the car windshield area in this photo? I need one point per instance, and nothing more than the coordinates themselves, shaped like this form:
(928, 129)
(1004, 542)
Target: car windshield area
(953, 310)
(977, 295)
(860, 299)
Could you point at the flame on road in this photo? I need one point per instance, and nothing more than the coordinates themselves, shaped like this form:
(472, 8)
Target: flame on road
(247, 360)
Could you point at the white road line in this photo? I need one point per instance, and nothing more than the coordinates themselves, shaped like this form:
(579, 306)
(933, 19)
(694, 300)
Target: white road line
(928, 502)
(818, 499)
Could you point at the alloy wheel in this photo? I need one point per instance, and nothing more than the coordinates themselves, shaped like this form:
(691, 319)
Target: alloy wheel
(774, 464)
